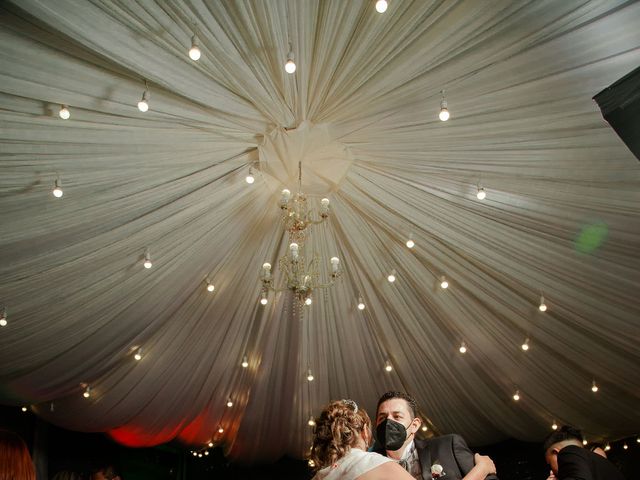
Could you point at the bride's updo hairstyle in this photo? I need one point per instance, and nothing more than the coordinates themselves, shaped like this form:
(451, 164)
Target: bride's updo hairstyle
(337, 430)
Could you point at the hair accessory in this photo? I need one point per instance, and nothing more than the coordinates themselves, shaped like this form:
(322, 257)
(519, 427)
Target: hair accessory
(351, 404)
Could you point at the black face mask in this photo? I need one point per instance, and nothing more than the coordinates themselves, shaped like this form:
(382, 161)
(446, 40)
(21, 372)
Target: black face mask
(391, 435)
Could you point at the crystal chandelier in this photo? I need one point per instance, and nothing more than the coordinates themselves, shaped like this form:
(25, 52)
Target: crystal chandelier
(302, 276)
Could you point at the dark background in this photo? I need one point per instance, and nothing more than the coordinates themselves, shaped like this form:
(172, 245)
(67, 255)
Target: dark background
(55, 449)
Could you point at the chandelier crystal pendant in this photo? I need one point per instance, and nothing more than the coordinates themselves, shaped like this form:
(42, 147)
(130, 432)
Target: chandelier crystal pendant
(302, 275)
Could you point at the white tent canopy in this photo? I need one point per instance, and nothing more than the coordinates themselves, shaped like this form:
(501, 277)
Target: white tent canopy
(360, 113)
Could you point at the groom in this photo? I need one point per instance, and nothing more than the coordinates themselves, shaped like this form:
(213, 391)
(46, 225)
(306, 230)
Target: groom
(447, 456)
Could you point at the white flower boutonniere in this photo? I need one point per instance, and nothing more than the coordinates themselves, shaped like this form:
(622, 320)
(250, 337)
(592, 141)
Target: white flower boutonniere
(437, 471)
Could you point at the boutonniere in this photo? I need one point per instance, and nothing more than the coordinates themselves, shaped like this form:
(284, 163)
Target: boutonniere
(437, 471)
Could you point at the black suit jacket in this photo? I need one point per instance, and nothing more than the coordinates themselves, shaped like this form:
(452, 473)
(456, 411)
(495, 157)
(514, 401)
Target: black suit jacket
(576, 463)
(450, 451)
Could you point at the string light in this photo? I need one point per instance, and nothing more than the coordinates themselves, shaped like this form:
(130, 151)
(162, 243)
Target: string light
(381, 6)
(64, 112)
(250, 178)
(143, 104)
(543, 306)
(312, 421)
(206, 452)
(3, 317)
(525, 345)
(594, 387)
(87, 392)
(607, 447)
(392, 276)
(584, 441)
(463, 348)
(516, 396)
(147, 260)
(24, 409)
(290, 66)
(481, 195)
(138, 355)
(57, 189)
(220, 429)
(387, 366)
(195, 454)
(245, 362)
(444, 112)
(210, 444)
(554, 426)
(200, 455)
(194, 51)
(309, 376)
(264, 299)
(361, 305)
(443, 283)
(229, 402)
(424, 428)
(625, 446)
(210, 286)
(637, 439)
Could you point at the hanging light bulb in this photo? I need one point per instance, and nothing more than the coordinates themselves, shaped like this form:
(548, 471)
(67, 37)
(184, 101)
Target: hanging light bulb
(195, 454)
(410, 243)
(206, 452)
(290, 66)
(584, 441)
(554, 425)
(194, 51)
(250, 178)
(264, 299)
(424, 428)
(3, 318)
(210, 444)
(443, 282)
(542, 307)
(229, 402)
(57, 189)
(143, 104)
(381, 6)
(200, 455)
(312, 421)
(625, 446)
(24, 409)
(594, 387)
(138, 355)
(309, 376)
(463, 348)
(87, 392)
(392, 276)
(147, 260)
(607, 447)
(444, 112)
(308, 301)
(637, 439)
(387, 366)
(481, 195)
(245, 362)
(64, 112)
(210, 286)
(220, 429)
(361, 305)
(525, 345)
(516, 396)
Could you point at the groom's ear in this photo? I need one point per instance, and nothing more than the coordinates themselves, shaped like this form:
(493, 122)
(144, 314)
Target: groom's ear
(417, 423)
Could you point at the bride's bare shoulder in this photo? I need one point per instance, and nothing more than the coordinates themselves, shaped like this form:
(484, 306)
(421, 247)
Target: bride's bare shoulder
(386, 471)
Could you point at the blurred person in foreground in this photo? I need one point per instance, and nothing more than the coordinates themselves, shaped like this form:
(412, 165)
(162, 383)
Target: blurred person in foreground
(15, 461)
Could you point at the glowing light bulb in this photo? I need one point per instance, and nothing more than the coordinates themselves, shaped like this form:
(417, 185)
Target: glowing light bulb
(290, 66)
(424, 428)
(206, 452)
(147, 260)
(57, 189)
(625, 446)
(542, 307)
(250, 178)
(3, 318)
(392, 276)
(200, 455)
(210, 287)
(308, 301)
(24, 409)
(463, 348)
(311, 463)
(594, 387)
(309, 376)
(554, 426)
(411, 243)
(229, 403)
(220, 430)
(264, 300)
(607, 447)
(143, 104)
(584, 442)
(87, 392)
(381, 6)
(210, 444)
(443, 283)
(516, 396)
(138, 355)
(387, 366)
(194, 52)
(245, 362)
(311, 421)
(64, 112)
(361, 305)
(481, 194)
(444, 114)
(195, 454)
(525, 345)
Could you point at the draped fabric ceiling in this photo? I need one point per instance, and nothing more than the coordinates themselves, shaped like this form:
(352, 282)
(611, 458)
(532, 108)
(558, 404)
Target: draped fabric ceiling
(561, 216)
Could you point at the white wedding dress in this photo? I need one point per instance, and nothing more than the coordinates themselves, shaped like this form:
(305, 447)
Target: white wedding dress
(352, 465)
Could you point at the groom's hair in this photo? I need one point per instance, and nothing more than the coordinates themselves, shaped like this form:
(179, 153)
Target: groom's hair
(413, 406)
(564, 433)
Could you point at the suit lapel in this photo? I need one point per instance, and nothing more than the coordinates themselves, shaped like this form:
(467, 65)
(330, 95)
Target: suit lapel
(425, 459)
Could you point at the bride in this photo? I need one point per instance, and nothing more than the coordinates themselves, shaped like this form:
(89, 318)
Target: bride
(342, 437)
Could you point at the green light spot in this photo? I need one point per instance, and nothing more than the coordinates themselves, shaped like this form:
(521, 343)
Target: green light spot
(592, 237)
